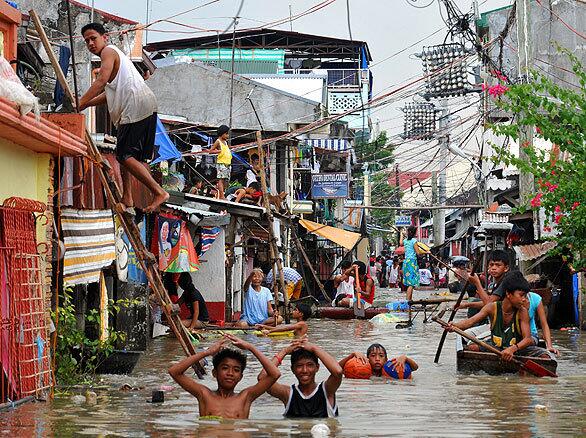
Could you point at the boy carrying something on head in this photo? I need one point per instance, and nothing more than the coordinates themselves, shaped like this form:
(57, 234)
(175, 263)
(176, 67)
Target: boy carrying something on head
(376, 355)
(258, 307)
(133, 109)
(509, 321)
(228, 369)
(301, 313)
(307, 399)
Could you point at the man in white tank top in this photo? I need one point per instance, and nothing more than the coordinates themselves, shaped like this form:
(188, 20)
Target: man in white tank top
(133, 109)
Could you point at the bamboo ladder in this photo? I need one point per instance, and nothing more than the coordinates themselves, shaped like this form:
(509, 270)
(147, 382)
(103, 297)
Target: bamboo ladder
(146, 259)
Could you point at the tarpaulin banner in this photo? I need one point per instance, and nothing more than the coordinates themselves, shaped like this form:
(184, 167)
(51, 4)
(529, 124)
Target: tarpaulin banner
(176, 250)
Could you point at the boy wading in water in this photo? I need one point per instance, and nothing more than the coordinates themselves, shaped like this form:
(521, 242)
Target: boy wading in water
(228, 369)
(133, 109)
(509, 321)
(376, 355)
(307, 398)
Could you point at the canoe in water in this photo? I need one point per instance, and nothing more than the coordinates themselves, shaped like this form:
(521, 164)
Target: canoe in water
(348, 313)
(472, 362)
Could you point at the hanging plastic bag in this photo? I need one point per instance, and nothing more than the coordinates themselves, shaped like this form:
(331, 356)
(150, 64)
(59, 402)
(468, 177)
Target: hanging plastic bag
(12, 89)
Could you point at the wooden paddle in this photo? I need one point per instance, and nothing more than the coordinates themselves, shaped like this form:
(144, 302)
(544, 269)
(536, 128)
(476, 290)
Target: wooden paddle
(358, 306)
(454, 310)
(529, 365)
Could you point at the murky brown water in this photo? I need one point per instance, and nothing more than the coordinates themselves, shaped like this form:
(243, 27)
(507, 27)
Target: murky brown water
(437, 402)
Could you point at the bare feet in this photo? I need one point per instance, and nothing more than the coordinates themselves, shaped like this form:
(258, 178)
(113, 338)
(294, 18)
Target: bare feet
(159, 199)
(124, 208)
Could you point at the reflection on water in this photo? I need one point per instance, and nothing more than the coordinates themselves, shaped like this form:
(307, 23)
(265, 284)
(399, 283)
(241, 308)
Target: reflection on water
(437, 402)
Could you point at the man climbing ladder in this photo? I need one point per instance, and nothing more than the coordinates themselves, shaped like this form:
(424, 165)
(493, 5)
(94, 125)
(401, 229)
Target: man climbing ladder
(133, 109)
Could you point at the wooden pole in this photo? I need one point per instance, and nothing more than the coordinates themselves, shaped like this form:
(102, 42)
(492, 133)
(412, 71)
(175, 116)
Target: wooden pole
(145, 258)
(309, 265)
(273, 251)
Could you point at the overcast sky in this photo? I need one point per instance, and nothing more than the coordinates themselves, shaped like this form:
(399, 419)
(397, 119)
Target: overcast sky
(388, 26)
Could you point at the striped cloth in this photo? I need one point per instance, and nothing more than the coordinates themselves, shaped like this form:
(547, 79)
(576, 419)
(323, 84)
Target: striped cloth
(208, 236)
(289, 274)
(89, 244)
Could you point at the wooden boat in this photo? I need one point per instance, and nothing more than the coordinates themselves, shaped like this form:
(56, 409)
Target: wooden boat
(119, 362)
(347, 313)
(473, 362)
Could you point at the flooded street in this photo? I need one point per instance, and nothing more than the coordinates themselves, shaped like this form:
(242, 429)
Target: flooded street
(437, 402)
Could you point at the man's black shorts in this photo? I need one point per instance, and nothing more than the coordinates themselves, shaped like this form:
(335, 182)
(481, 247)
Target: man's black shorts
(137, 140)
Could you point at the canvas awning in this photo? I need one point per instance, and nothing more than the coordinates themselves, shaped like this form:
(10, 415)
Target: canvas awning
(344, 238)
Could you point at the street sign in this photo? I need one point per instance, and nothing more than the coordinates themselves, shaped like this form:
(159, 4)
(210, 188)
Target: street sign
(402, 221)
(329, 185)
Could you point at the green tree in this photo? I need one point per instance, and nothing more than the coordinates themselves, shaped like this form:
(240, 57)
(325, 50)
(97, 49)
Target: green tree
(559, 116)
(373, 152)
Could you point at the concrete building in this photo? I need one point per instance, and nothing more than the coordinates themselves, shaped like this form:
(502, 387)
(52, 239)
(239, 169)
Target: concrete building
(200, 95)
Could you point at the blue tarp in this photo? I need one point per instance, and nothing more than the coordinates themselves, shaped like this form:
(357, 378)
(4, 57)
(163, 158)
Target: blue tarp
(165, 147)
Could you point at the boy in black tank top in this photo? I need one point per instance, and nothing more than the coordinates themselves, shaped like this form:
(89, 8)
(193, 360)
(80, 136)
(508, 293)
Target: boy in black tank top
(307, 398)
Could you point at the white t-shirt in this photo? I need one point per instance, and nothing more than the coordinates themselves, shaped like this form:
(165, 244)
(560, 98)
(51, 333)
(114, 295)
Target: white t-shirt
(250, 177)
(425, 277)
(393, 274)
(443, 271)
(345, 288)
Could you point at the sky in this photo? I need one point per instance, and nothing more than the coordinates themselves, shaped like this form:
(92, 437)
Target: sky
(388, 26)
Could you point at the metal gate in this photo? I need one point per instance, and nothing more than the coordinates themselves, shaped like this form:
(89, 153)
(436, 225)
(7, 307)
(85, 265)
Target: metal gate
(24, 346)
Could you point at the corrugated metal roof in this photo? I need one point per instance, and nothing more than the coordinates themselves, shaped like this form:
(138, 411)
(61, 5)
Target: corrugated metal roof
(534, 250)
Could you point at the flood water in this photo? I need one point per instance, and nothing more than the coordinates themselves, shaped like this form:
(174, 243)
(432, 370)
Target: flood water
(437, 402)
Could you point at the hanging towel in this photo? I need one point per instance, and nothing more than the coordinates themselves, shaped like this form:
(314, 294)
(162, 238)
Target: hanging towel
(64, 54)
(89, 244)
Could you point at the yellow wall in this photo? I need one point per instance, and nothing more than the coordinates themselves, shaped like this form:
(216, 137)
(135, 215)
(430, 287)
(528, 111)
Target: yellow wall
(25, 174)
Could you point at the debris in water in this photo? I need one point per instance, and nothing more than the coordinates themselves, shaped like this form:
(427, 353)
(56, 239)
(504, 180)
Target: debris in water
(167, 388)
(320, 431)
(542, 409)
(77, 399)
(91, 398)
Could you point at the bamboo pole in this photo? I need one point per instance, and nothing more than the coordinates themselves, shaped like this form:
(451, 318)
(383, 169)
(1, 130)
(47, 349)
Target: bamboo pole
(274, 253)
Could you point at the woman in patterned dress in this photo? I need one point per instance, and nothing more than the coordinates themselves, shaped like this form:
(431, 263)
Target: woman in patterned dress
(410, 267)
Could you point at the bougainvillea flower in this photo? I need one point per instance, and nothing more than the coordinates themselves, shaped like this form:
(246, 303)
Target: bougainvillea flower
(575, 205)
(536, 202)
(497, 90)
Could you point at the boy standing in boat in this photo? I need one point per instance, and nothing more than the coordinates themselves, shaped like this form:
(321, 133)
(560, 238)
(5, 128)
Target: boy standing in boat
(509, 321)
(307, 398)
(228, 369)
(133, 109)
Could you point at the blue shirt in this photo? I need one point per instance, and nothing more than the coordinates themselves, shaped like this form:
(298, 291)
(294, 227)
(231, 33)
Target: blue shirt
(255, 305)
(534, 300)
(409, 245)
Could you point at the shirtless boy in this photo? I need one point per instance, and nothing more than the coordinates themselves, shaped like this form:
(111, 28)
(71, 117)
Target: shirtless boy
(133, 109)
(301, 313)
(228, 369)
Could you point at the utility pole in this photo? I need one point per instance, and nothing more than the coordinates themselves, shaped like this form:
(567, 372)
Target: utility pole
(439, 216)
(523, 10)
(398, 198)
(232, 78)
(434, 202)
